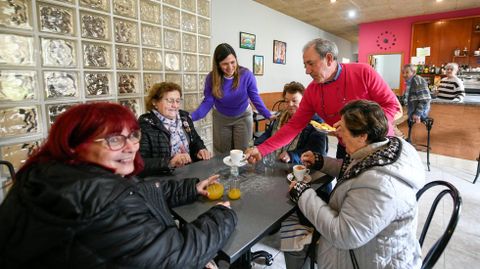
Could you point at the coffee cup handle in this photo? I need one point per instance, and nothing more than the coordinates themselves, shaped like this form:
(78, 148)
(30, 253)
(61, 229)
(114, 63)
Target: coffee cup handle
(307, 171)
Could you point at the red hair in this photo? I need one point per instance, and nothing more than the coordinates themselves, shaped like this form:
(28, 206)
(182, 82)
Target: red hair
(83, 123)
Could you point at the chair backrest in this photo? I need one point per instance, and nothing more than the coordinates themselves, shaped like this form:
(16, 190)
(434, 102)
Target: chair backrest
(11, 170)
(5, 185)
(279, 105)
(436, 250)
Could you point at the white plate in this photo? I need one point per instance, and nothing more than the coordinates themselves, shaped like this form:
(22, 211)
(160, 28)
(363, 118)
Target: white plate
(322, 130)
(306, 178)
(228, 162)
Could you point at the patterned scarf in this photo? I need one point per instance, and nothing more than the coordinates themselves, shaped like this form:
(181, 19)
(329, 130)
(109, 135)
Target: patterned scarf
(178, 139)
(386, 155)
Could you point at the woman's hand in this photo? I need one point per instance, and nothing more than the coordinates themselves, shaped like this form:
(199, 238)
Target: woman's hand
(308, 158)
(180, 160)
(253, 155)
(337, 126)
(203, 184)
(297, 190)
(204, 154)
(284, 157)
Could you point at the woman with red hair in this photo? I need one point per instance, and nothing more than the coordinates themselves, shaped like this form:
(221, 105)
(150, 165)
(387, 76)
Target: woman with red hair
(77, 204)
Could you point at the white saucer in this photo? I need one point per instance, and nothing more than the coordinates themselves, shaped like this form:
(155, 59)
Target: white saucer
(228, 162)
(306, 178)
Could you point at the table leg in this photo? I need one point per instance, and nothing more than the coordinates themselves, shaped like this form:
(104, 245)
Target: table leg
(244, 262)
(478, 169)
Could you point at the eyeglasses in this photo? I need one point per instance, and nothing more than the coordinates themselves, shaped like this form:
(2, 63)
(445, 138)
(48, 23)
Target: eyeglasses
(171, 101)
(118, 141)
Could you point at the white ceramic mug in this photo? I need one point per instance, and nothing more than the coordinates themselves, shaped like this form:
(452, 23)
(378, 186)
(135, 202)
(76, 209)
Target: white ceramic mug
(236, 156)
(300, 171)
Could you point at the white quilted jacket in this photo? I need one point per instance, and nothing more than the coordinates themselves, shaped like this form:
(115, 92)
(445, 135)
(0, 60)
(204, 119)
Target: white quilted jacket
(375, 214)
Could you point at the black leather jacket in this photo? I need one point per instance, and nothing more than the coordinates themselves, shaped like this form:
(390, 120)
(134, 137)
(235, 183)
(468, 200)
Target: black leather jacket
(155, 143)
(83, 216)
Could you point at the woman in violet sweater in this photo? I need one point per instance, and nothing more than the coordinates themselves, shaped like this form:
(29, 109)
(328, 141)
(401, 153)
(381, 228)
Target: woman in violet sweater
(228, 88)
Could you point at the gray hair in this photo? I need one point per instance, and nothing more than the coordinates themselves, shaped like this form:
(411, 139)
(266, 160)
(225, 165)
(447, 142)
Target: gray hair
(323, 46)
(412, 68)
(454, 66)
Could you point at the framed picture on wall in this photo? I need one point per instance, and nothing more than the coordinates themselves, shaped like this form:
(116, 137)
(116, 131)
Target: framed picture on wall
(279, 52)
(258, 65)
(247, 41)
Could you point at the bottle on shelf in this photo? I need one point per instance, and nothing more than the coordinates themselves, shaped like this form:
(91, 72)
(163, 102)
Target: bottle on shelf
(420, 68)
(442, 69)
(425, 69)
(432, 69)
(465, 51)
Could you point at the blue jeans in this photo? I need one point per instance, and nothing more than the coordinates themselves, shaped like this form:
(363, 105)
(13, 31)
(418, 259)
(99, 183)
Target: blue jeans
(411, 108)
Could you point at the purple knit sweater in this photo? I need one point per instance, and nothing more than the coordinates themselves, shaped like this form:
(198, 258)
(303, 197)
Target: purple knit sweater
(234, 101)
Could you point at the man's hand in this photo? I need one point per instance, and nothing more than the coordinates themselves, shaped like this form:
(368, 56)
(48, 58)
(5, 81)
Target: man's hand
(253, 155)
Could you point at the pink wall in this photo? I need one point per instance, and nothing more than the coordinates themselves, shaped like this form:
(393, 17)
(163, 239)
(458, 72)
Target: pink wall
(401, 29)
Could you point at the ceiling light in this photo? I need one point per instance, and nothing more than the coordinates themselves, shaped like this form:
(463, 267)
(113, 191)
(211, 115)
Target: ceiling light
(438, 1)
(333, 1)
(352, 13)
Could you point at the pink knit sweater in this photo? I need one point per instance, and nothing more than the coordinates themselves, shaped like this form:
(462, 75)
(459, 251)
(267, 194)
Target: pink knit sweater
(356, 81)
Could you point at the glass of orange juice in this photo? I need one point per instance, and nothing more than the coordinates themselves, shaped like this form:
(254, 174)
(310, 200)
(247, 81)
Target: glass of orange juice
(215, 191)
(234, 191)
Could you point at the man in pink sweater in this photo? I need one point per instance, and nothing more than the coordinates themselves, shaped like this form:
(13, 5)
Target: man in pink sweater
(333, 86)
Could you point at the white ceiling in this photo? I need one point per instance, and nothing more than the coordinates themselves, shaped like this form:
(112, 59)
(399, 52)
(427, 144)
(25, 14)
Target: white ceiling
(333, 17)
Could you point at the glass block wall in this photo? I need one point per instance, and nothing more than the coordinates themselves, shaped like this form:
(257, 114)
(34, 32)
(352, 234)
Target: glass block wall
(54, 54)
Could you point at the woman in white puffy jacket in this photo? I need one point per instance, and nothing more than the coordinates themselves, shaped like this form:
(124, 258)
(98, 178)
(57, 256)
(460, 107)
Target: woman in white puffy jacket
(372, 210)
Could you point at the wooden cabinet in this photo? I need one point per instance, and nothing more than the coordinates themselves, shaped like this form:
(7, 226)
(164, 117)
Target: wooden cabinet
(444, 36)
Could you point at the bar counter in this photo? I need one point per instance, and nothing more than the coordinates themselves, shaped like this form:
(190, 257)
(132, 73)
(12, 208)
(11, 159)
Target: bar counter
(455, 131)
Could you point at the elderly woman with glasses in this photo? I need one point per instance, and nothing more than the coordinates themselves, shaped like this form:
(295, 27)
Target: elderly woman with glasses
(169, 138)
(371, 216)
(77, 204)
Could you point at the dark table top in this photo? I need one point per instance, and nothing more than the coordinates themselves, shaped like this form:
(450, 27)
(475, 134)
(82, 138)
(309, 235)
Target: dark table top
(263, 205)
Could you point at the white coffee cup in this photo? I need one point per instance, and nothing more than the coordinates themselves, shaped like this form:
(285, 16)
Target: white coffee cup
(300, 171)
(236, 156)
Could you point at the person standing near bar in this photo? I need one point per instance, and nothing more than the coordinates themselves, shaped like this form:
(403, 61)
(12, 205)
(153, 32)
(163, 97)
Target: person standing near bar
(228, 89)
(333, 85)
(417, 94)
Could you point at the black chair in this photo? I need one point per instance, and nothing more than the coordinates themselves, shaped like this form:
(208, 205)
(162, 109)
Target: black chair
(428, 124)
(279, 105)
(478, 168)
(11, 170)
(437, 248)
(257, 118)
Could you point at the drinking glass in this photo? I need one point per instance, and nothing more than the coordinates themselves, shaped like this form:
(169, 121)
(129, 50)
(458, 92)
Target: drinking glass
(234, 191)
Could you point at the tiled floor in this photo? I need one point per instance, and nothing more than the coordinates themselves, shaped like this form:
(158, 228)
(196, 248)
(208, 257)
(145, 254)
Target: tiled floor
(464, 247)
